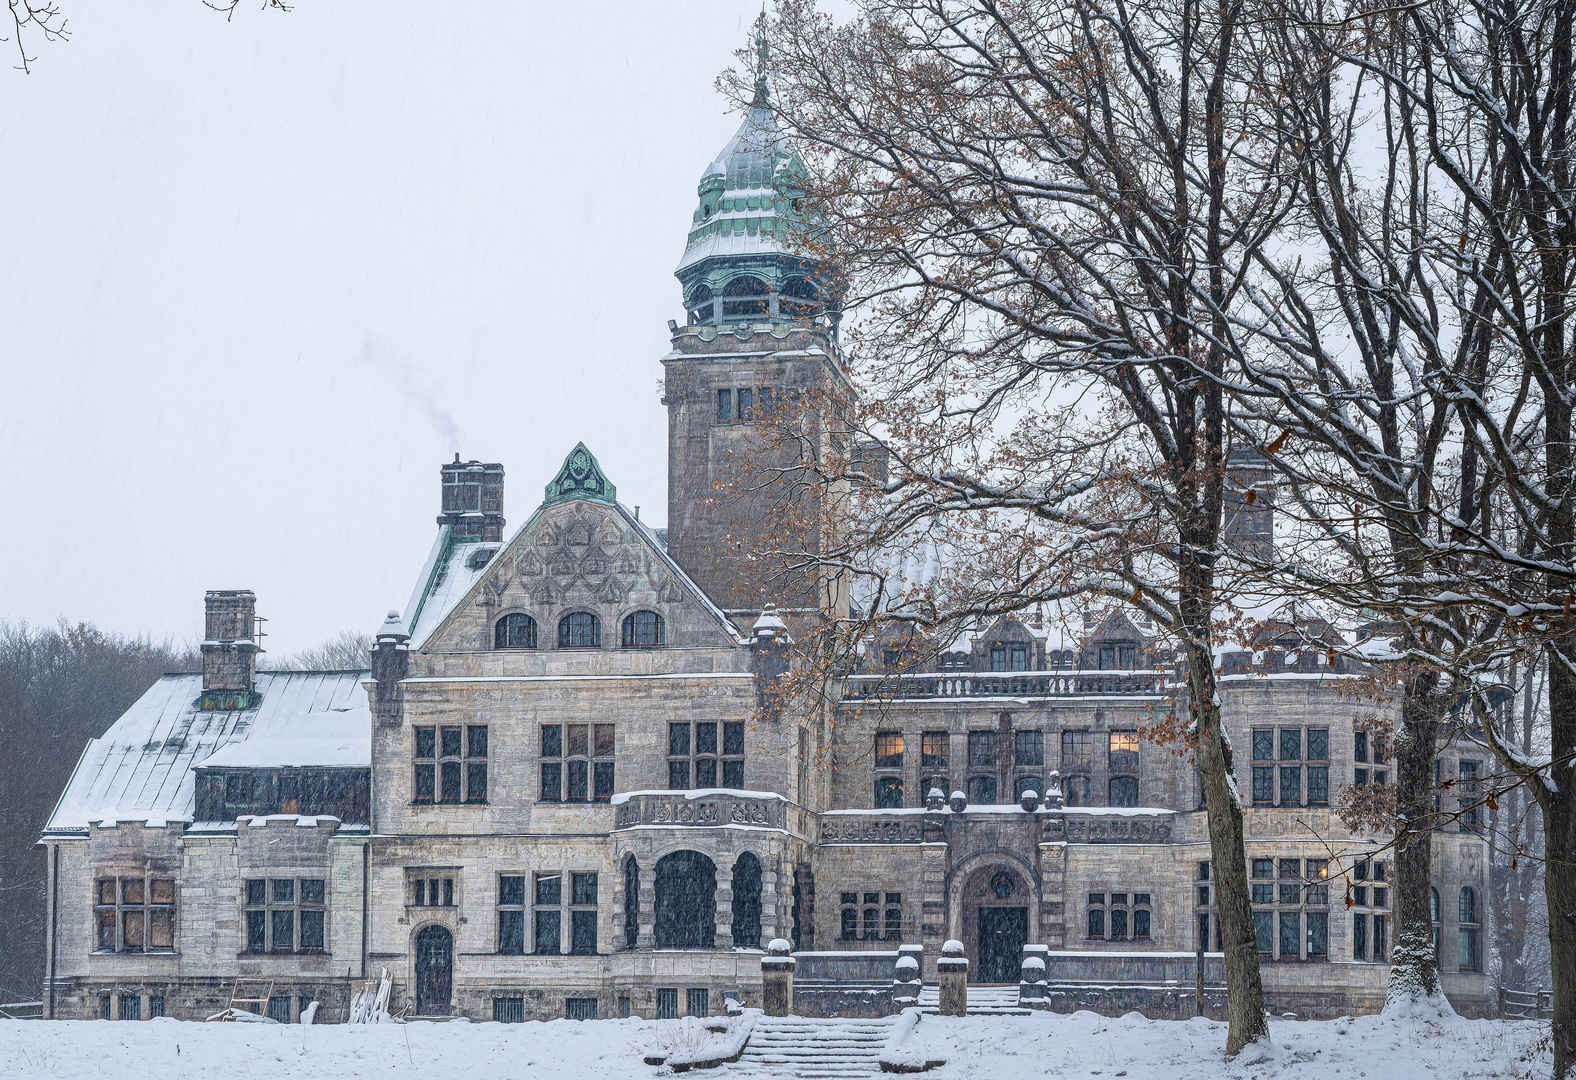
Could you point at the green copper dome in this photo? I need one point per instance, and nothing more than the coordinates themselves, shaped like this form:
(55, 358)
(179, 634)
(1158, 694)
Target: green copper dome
(746, 258)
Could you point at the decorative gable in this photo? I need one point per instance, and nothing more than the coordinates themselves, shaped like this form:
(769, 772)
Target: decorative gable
(580, 478)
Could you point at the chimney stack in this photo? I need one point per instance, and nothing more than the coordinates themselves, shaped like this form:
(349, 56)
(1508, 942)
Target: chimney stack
(390, 664)
(229, 649)
(1248, 524)
(473, 500)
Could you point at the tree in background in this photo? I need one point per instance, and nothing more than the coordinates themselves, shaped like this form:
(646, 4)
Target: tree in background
(59, 687)
(349, 650)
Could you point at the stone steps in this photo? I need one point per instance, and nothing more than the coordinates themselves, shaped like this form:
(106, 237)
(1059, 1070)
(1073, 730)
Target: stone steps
(983, 1001)
(793, 1046)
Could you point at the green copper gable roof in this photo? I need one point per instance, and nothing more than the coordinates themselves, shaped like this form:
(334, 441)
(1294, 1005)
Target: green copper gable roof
(580, 478)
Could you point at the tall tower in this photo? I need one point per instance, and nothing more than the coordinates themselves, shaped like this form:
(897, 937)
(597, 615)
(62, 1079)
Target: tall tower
(758, 354)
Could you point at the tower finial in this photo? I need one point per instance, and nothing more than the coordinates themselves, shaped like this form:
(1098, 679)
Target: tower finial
(763, 54)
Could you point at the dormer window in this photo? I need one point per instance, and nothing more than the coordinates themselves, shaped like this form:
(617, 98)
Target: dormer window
(515, 632)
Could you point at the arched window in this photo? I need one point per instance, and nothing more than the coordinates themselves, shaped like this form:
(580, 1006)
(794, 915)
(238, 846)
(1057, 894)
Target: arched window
(686, 911)
(747, 902)
(700, 305)
(631, 902)
(745, 296)
(1027, 783)
(1124, 791)
(579, 630)
(515, 632)
(644, 630)
(1468, 956)
(1433, 915)
(800, 299)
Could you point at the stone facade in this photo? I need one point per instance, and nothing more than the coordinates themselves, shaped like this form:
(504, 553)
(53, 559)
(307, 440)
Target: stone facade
(587, 797)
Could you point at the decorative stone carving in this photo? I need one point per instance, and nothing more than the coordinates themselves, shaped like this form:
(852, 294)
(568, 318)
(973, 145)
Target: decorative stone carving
(1117, 830)
(865, 831)
(710, 811)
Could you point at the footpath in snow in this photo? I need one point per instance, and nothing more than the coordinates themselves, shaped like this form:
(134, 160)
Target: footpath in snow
(988, 1047)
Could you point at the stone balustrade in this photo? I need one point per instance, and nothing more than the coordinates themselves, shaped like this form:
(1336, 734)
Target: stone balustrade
(1015, 684)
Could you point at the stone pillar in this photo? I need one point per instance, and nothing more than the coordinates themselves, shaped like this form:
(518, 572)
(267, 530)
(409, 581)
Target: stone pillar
(906, 981)
(771, 904)
(647, 938)
(1032, 986)
(952, 973)
(777, 979)
(723, 938)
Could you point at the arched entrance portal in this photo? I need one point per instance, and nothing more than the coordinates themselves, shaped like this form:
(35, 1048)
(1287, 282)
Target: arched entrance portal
(434, 971)
(997, 903)
(686, 910)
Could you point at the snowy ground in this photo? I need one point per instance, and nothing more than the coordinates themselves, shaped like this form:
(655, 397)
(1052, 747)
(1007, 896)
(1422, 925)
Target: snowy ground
(1000, 1048)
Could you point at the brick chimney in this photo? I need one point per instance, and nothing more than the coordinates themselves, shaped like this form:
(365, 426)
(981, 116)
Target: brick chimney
(229, 649)
(473, 499)
(1248, 523)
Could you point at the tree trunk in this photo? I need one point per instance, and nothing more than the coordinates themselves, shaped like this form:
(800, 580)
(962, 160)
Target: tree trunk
(1559, 841)
(1414, 969)
(1228, 863)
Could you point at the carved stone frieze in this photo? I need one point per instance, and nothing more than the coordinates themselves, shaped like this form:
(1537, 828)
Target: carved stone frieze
(1085, 829)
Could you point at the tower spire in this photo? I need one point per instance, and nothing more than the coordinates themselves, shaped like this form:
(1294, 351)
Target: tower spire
(763, 53)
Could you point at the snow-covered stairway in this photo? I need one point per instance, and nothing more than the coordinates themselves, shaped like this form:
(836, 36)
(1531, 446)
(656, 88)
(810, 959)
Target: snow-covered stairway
(798, 1046)
(983, 1001)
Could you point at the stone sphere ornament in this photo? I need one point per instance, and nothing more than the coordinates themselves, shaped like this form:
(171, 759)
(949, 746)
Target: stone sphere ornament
(959, 802)
(1029, 800)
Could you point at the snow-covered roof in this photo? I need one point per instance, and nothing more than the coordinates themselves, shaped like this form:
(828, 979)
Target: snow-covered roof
(141, 768)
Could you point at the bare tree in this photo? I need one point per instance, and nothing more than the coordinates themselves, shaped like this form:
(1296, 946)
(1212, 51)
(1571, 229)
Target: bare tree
(1050, 212)
(59, 687)
(349, 650)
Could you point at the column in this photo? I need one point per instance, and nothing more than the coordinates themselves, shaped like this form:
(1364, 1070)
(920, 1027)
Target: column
(648, 905)
(724, 935)
(772, 925)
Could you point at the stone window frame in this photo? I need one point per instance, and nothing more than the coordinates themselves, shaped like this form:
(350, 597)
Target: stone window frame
(630, 630)
(1010, 656)
(1079, 765)
(1124, 907)
(1469, 786)
(1371, 909)
(724, 761)
(507, 906)
(119, 908)
(1295, 888)
(431, 887)
(560, 753)
(1361, 746)
(431, 761)
(889, 754)
(866, 915)
(1469, 924)
(568, 632)
(1289, 776)
(1123, 764)
(570, 908)
(1204, 911)
(892, 916)
(270, 901)
(737, 404)
(500, 632)
(982, 765)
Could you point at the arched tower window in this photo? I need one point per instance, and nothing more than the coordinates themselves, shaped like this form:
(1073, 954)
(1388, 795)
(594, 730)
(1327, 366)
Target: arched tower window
(744, 297)
(747, 902)
(515, 632)
(700, 306)
(800, 299)
(579, 630)
(686, 909)
(631, 902)
(643, 630)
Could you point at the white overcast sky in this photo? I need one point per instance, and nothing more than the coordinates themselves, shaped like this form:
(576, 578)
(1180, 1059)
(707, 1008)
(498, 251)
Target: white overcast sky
(259, 273)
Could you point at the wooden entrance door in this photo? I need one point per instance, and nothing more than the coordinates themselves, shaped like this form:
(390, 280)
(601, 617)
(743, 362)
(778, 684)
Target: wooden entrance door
(1003, 931)
(434, 971)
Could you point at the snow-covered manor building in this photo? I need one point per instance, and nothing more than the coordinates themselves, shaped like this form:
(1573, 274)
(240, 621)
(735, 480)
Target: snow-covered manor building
(565, 787)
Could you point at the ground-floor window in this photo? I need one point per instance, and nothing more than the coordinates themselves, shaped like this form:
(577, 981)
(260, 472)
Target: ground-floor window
(698, 1001)
(1119, 916)
(130, 1007)
(580, 1008)
(668, 1003)
(509, 1010)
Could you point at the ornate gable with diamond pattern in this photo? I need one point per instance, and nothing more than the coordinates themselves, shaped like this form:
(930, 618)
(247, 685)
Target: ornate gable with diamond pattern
(580, 478)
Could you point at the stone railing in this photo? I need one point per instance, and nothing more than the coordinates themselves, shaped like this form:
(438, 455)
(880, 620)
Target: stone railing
(1123, 829)
(976, 684)
(702, 810)
(909, 829)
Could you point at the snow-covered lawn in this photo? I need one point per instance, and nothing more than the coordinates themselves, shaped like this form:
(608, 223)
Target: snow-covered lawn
(996, 1047)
